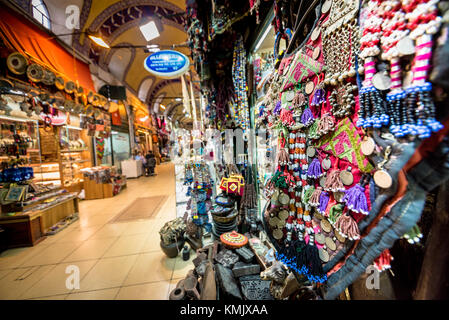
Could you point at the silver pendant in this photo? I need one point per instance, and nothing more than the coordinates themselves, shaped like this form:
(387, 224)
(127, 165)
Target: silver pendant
(346, 177)
(316, 53)
(315, 33)
(405, 46)
(326, 6)
(383, 179)
(326, 164)
(311, 152)
(368, 145)
(289, 95)
(381, 81)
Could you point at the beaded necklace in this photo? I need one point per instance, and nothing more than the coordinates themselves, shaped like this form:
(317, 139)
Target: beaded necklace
(241, 106)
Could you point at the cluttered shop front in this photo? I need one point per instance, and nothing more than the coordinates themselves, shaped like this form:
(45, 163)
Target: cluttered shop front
(52, 121)
(350, 179)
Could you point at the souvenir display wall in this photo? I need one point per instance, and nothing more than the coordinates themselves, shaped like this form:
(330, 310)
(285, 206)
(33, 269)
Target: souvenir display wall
(351, 102)
(347, 103)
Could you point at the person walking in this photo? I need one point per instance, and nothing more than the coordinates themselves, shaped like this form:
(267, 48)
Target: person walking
(150, 164)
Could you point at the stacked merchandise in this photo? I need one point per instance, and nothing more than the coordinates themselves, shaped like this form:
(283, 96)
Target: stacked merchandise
(197, 177)
(342, 141)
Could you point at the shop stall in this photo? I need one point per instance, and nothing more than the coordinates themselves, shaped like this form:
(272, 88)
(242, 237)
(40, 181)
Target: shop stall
(345, 97)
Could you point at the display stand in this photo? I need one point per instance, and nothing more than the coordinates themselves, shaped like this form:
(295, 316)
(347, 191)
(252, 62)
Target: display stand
(29, 228)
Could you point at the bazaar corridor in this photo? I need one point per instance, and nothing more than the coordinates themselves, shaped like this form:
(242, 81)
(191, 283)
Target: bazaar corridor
(120, 260)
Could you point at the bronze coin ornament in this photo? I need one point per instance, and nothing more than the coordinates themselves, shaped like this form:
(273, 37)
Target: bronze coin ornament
(17, 63)
(35, 72)
(49, 78)
(59, 83)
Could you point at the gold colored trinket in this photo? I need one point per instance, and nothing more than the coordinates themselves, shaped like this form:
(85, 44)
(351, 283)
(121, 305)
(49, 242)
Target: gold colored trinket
(278, 234)
(383, 179)
(339, 237)
(330, 244)
(338, 196)
(346, 177)
(309, 87)
(283, 214)
(320, 238)
(324, 256)
(325, 225)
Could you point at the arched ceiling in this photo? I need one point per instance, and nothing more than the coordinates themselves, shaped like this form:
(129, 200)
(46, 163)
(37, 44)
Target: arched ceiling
(119, 22)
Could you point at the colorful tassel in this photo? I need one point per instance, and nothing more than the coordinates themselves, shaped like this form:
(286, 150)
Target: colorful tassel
(283, 158)
(314, 200)
(307, 194)
(318, 98)
(325, 125)
(334, 213)
(333, 182)
(307, 117)
(324, 200)
(347, 227)
(355, 199)
(277, 108)
(314, 170)
(287, 117)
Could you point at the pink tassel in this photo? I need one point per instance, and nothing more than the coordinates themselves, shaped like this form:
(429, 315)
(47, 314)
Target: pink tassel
(283, 157)
(333, 182)
(314, 199)
(347, 227)
(287, 117)
(325, 124)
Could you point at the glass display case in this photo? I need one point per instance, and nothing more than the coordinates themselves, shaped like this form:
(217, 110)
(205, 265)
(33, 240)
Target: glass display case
(75, 155)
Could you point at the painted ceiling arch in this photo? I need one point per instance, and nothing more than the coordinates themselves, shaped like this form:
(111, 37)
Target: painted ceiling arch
(119, 22)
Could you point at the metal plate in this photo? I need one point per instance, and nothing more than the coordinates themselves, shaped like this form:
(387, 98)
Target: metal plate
(325, 225)
(284, 199)
(289, 95)
(316, 53)
(275, 196)
(281, 223)
(326, 6)
(273, 222)
(330, 244)
(405, 46)
(309, 87)
(381, 81)
(324, 256)
(318, 215)
(346, 177)
(338, 196)
(320, 238)
(368, 145)
(323, 181)
(383, 179)
(339, 237)
(315, 33)
(278, 234)
(326, 164)
(283, 214)
(311, 152)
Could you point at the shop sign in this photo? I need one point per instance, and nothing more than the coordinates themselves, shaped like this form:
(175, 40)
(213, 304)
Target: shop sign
(167, 64)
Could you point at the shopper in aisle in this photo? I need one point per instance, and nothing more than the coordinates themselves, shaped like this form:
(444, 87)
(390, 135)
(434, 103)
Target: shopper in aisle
(150, 164)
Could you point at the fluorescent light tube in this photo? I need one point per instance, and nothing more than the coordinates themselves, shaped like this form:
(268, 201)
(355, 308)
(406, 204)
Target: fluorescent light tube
(149, 31)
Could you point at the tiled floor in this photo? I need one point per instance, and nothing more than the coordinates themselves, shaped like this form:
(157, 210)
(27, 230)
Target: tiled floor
(116, 261)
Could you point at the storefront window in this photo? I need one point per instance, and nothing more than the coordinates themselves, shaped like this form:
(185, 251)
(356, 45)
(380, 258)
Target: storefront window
(121, 147)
